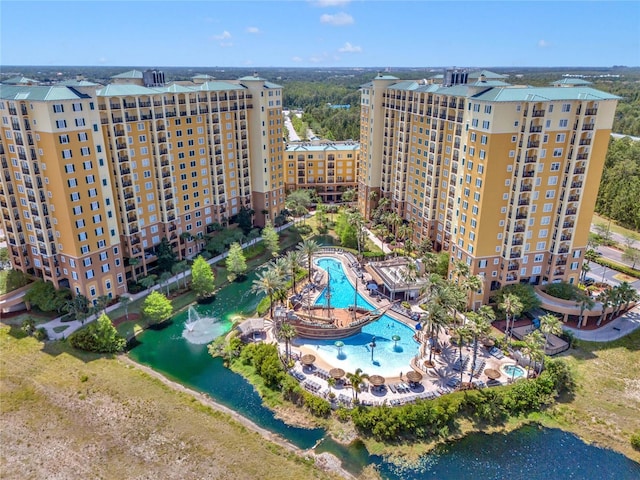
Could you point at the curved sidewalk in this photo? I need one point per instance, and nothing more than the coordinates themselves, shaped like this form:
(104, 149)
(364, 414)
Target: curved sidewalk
(614, 330)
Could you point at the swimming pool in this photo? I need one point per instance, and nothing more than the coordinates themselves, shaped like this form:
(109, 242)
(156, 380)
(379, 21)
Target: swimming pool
(389, 357)
(513, 371)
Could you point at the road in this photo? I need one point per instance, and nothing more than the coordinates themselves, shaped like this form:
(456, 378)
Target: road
(293, 136)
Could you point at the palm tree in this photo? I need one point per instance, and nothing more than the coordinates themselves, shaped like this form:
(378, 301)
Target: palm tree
(460, 335)
(164, 280)
(134, 262)
(331, 382)
(288, 333)
(471, 284)
(511, 306)
(586, 302)
(308, 248)
(478, 326)
(533, 348)
(267, 283)
(627, 294)
(606, 297)
(148, 281)
(357, 379)
(549, 324)
(179, 268)
(124, 301)
(438, 318)
(294, 259)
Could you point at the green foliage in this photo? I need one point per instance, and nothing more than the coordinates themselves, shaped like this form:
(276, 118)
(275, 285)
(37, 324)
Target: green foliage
(620, 183)
(236, 263)
(563, 290)
(4, 255)
(316, 405)
(11, 280)
(44, 296)
(100, 337)
(525, 293)
(346, 231)
(245, 219)
(271, 239)
(635, 441)
(202, 279)
(442, 265)
(157, 308)
(618, 267)
(28, 326)
(166, 256)
(264, 358)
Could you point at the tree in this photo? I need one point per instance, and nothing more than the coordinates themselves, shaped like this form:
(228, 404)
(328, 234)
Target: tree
(525, 293)
(512, 306)
(604, 231)
(45, 296)
(308, 248)
(288, 333)
(625, 294)
(148, 281)
(268, 283)
(101, 303)
(133, 263)
(164, 280)
(478, 325)
(630, 238)
(549, 324)
(166, 255)
(202, 278)
(294, 259)
(124, 301)
(460, 335)
(357, 379)
(245, 219)
(157, 308)
(270, 239)
(236, 263)
(180, 268)
(100, 336)
(4, 255)
(78, 306)
(349, 195)
(631, 255)
(533, 348)
(585, 302)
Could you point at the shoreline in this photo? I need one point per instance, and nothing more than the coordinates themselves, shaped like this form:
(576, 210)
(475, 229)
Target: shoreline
(320, 460)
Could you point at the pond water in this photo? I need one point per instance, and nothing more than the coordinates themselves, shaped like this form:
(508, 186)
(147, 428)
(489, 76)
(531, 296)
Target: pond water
(529, 453)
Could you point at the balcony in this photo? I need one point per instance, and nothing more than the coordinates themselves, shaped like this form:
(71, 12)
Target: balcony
(535, 129)
(588, 126)
(576, 184)
(591, 111)
(533, 144)
(532, 159)
(537, 113)
(513, 266)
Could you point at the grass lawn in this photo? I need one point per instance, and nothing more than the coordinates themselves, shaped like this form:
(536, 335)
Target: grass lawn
(65, 414)
(614, 227)
(605, 408)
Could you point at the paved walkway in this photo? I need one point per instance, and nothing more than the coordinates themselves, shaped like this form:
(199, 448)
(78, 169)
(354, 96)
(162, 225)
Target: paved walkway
(379, 243)
(613, 330)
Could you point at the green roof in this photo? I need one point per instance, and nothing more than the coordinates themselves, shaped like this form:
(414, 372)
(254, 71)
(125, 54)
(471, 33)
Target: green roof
(385, 77)
(272, 85)
(251, 77)
(175, 88)
(487, 74)
(489, 83)
(35, 93)
(571, 81)
(203, 76)
(20, 80)
(129, 74)
(543, 94)
(126, 90)
(218, 86)
(78, 83)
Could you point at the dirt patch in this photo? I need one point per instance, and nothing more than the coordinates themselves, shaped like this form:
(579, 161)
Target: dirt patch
(133, 317)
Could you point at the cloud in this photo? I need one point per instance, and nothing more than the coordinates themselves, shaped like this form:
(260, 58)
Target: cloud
(329, 3)
(348, 48)
(223, 36)
(226, 44)
(253, 30)
(102, 60)
(338, 20)
(296, 59)
(543, 44)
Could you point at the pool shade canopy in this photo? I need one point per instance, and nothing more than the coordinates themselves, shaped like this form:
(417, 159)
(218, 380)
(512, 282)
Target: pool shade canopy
(396, 338)
(308, 359)
(418, 326)
(414, 376)
(372, 286)
(339, 344)
(492, 373)
(336, 373)
(376, 380)
(488, 342)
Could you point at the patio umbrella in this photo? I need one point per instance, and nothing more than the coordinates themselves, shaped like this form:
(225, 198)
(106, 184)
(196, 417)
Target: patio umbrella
(418, 326)
(308, 359)
(339, 344)
(488, 342)
(336, 373)
(413, 376)
(372, 286)
(396, 339)
(492, 373)
(376, 380)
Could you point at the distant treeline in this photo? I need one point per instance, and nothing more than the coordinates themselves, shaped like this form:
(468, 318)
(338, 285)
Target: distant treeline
(620, 185)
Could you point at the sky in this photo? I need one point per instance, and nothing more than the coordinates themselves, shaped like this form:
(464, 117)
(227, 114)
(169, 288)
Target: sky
(320, 33)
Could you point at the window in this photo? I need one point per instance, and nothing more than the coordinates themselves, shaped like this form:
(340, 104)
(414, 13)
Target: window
(89, 275)
(566, 107)
(83, 137)
(550, 194)
(560, 137)
(547, 207)
(555, 166)
(541, 245)
(487, 109)
(75, 196)
(485, 124)
(79, 122)
(85, 152)
(543, 233)
(64, 139)
(58, 108)
(77, 107)
(552, 181)
(545, 220)
(557, 152)
(564, 123)
(67, 154)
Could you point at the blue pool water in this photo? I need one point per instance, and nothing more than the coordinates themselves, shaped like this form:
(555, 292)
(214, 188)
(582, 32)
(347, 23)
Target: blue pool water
(513, 371)
(389, 357)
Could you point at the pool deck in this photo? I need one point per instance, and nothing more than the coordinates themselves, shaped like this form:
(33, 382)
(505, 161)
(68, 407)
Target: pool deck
(440, 379)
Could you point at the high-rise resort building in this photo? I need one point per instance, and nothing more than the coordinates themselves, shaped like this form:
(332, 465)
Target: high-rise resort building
(329, 168)
(504, 177)
(93, 177)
